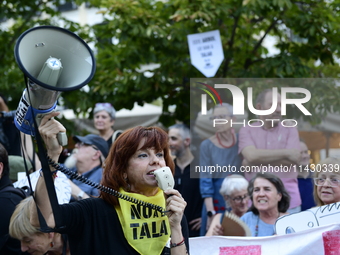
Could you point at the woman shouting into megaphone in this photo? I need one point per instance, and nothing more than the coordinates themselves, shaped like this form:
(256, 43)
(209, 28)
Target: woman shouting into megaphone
(111, 225)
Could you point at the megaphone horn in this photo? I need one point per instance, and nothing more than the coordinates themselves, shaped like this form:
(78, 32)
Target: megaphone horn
(54, 60)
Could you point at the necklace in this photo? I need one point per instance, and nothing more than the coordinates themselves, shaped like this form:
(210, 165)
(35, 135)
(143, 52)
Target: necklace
(220, 143)
(257, 225)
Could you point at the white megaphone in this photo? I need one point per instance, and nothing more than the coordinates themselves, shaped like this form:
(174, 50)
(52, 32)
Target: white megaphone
(54, 60)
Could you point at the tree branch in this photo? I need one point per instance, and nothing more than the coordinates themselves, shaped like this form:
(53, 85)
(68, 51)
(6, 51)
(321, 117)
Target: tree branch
(272, 25)
(253, 20)
(248, 61)
(230, 43)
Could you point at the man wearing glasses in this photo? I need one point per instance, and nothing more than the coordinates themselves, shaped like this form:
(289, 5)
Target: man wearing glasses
(90, 156)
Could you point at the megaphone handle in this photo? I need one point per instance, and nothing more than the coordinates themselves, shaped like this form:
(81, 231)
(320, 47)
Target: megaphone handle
(62, 138)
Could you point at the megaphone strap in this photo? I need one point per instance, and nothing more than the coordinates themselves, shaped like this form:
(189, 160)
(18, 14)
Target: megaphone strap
(49, 184)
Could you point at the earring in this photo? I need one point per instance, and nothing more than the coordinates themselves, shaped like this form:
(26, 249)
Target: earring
(51, 244)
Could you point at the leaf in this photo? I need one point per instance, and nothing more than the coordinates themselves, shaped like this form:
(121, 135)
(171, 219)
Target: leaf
(153, 33)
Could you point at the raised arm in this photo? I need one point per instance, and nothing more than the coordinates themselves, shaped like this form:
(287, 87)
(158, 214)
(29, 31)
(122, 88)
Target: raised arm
(28, 150)
(3, 105)
(49, 128)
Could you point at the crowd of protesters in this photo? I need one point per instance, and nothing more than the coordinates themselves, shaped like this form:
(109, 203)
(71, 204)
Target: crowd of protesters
(124, 161)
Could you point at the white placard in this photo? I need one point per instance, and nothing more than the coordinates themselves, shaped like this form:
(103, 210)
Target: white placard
(311, 218)
(206, 52)
(323, 240)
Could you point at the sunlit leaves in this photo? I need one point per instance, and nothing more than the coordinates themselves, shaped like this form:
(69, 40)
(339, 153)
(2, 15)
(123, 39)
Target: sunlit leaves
(149, 32)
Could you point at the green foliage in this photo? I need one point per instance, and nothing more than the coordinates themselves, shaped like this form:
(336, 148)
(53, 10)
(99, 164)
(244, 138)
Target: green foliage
(149, 57)
(156, 32)
(21, 16)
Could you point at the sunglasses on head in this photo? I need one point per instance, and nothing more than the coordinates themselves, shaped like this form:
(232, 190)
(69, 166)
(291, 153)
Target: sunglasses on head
(103, 104)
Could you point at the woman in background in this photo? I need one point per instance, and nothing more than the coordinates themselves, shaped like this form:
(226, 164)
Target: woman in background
(270, 201)
(221, 149)
(104, 117)
(32, 239)
(327, 182)
(234, 191)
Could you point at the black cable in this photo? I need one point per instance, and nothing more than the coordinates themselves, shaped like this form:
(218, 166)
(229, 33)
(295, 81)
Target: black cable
(105, 189)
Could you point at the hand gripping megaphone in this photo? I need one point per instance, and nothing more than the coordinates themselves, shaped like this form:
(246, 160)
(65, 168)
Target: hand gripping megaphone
(53, 60)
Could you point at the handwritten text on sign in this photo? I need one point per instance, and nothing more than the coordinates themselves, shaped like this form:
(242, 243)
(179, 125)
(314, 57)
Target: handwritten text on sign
(206, 52)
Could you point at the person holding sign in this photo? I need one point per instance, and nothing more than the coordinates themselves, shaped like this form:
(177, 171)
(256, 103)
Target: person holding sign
(270, 201)
(113, 225)
(327, 181)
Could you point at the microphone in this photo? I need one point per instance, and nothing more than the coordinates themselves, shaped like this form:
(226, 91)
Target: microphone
(51, 71)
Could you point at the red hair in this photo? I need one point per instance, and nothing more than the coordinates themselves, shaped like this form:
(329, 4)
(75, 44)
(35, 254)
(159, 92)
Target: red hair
(124, 148)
